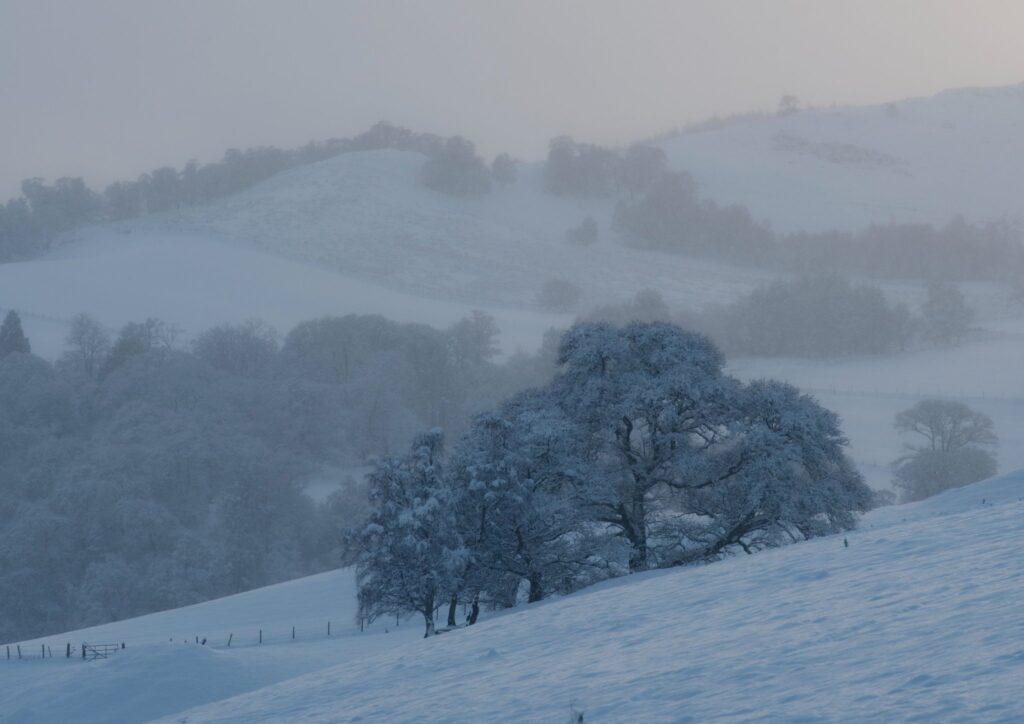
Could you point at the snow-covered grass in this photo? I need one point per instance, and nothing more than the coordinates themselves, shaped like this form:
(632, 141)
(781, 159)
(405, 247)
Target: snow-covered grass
(195, 283)
(919, 618)
(162, 670)
(367, 215)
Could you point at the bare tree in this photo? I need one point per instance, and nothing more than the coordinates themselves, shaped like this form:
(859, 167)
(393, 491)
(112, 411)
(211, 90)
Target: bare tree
(950, 448)
(945, 425)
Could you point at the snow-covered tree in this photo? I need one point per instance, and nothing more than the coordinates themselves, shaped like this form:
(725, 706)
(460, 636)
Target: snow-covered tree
(649, 402)
(248, 349)
(685, 462)
(794, 480)
(87, 345)
(137, 338)
(409, 550)
(516, 514)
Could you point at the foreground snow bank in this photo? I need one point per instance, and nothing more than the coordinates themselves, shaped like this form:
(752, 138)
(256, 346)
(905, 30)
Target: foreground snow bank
(1001, 489)
(916, 619)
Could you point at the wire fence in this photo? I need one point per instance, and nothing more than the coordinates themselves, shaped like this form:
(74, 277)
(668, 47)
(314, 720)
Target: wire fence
(95, 651)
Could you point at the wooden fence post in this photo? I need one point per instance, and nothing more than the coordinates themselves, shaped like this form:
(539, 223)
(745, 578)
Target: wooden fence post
(8, 652)
(328, 628)
(44, 650)
(261, 635)
(293, 633)
(230, 636)
(19, 650)
(83, 652)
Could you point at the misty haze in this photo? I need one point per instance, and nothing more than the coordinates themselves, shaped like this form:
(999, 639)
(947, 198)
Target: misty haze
(513, 361)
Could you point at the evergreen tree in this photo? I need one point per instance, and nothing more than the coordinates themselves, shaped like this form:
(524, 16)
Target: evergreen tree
(12, 337)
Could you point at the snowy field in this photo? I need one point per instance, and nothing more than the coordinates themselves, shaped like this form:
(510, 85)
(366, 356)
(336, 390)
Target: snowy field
(918, 619)
(195, 284)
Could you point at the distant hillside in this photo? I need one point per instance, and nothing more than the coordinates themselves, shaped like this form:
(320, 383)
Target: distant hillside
(367, 214)
(917, 160)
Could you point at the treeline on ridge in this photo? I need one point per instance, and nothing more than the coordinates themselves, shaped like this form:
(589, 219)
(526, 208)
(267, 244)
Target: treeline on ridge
(29, 223)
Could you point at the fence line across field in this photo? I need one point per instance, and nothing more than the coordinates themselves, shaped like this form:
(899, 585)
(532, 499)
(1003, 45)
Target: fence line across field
(92, 652)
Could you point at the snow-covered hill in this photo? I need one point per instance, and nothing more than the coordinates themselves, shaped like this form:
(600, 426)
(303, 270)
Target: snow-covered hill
(922, 159)
(919, 618)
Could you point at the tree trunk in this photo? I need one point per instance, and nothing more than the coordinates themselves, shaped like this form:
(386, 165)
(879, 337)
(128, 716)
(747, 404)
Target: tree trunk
(638, 556)
(536, 591)
(428, 615)
(451, 611)
(474, 612)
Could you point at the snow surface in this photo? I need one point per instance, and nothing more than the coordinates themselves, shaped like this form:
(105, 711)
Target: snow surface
(919, 618)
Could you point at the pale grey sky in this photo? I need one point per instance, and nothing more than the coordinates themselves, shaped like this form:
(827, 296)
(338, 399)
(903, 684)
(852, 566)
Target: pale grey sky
(110, 88)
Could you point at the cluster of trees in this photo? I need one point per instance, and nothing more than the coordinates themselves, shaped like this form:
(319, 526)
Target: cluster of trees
(559, 295)
(29, 224)
(583, 169)
(812, 316)
(657, 209)
(139, 473)
(671, 216)
(457, 169)
(949, 445)
(663, 210)
(640, 453)
(958, 251)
